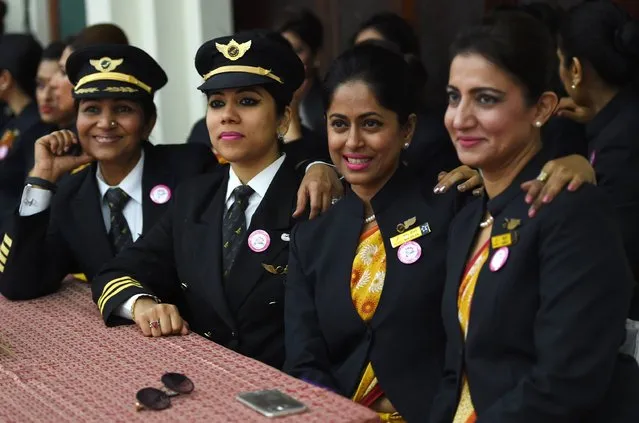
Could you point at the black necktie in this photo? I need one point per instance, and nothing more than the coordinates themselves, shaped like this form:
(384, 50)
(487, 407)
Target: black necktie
(234, 227)
(119, 234)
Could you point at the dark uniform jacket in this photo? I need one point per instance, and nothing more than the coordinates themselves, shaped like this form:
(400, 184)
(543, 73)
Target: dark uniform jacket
(546, 327)
(18, 137)
(180, 262)
(327, 343)
(70, 237)
(613, 149)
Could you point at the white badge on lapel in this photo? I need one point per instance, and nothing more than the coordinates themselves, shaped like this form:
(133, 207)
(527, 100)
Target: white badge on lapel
(160, 194)
(259, 241)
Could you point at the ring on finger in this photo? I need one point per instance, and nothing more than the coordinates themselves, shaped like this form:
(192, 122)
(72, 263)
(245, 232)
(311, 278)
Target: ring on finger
(543, 177)
(154, 324)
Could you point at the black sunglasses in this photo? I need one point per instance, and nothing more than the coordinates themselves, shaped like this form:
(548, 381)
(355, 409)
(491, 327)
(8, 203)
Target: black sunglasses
(159, 399)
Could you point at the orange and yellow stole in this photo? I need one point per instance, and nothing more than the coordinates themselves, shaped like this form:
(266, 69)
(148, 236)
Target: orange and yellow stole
(465, 410)
(367, 283)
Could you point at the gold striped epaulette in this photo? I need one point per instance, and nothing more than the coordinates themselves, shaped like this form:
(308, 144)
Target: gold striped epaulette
(80, 168)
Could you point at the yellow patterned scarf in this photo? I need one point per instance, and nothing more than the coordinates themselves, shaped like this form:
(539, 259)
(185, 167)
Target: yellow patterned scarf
(367, 283)
(465, 409)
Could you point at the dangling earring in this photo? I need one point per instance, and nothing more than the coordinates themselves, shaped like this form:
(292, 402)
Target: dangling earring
(574, 86)
(280, 137)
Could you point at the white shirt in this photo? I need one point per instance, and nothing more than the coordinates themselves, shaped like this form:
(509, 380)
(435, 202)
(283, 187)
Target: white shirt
(260, 184)
(35, 200)
(132, 185)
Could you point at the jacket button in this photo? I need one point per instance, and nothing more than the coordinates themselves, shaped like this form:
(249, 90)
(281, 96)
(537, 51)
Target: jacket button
(234, 335)
(184, 286)
(208, 334)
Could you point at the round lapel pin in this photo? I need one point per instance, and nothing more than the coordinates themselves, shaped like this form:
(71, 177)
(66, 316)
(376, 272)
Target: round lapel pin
(4, 150)
(286, 237)
(409, 252)
(259, 241)
(499, 259)
(160, 194)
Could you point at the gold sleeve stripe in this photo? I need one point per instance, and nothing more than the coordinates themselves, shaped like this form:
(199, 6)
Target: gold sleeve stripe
(3, 259)
(1, 268)
(112, 288)
(7, 240)
(117, 291)
(4, 249)
(116, 288)
(111, 285)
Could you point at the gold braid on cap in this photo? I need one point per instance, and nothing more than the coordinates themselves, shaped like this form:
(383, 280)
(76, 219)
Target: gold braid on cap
(244, 69)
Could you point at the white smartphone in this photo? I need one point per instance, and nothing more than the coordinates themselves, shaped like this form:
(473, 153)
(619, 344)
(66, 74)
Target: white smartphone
(271, 403)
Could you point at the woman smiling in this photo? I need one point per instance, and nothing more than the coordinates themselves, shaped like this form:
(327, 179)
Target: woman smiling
(76, 223)
(534, 309)
(366, 279)
(218, 260)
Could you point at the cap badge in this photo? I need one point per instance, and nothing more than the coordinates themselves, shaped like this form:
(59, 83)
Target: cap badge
(233, 50)
(106, 64)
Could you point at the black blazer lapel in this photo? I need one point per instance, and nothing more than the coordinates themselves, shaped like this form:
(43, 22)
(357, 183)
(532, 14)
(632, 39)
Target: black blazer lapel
(274, 215)
(347, 229)
(155, 173)
(86, 209)
(205, 239)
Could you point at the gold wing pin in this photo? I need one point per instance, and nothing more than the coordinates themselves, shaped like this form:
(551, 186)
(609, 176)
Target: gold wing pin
(106, 64)
(233, 50)
(401, 228)
(275, 270)
(511, 224)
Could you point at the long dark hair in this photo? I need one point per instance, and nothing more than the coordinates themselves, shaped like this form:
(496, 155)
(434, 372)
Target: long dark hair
(603, 35)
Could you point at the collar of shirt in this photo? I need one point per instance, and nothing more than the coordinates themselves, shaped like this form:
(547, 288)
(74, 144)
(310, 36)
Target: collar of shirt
(259, 183)
(131, 184)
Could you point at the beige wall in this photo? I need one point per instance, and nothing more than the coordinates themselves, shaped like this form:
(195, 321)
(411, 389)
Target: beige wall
(171, 31)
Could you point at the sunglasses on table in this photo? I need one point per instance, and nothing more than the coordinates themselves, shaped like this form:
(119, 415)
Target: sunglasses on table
(160, 399)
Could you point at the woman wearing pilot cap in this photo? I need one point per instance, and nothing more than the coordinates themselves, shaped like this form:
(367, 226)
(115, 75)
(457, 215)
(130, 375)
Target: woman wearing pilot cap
(76, 223)
(220, 254)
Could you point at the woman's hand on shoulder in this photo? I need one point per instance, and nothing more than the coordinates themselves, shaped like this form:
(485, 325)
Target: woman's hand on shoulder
(52, 158)
(319, 187)
(158, 319)
(569, 172)
(467, 178)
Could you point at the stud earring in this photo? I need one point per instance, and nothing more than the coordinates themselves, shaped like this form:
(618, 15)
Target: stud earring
(573, 86)
(406, 145)
(538, 124)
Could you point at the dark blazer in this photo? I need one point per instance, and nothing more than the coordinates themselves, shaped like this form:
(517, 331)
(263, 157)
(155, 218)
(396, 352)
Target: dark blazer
(180, 262)
(431, 150)
(545, 329)
(313, 105)
(613, 148)
(327, 343)
(199, 134)
(19, 159)
(70, 237)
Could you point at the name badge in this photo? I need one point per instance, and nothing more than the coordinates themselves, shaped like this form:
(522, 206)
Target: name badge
(411, 235)
(505, 240)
